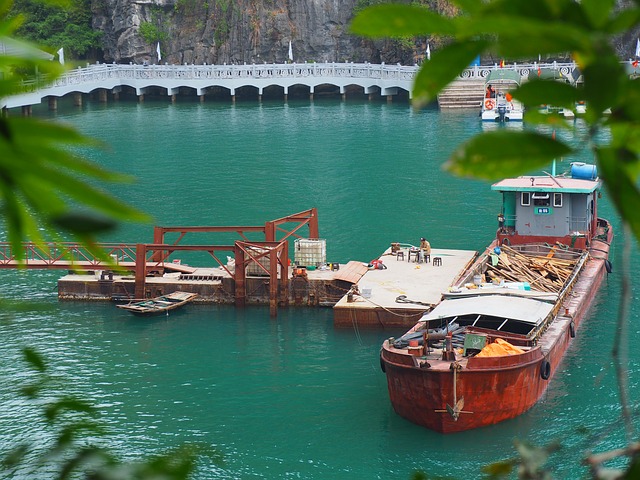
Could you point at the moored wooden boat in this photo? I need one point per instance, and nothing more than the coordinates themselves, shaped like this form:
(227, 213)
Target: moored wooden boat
(159, 305)
(512, 315)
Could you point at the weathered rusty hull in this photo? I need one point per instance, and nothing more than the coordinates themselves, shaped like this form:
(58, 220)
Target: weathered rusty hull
(492, 392)
(494, 389)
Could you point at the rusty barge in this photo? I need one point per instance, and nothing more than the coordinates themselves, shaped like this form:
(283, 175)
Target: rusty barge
(488, 351)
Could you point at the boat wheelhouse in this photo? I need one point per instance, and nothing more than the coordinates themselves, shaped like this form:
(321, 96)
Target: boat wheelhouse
(553, 209)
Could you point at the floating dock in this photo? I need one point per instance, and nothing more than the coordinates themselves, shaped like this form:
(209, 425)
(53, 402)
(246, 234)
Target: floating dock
(257, 271)
(399, 294)
(318, 287)
(395, 296)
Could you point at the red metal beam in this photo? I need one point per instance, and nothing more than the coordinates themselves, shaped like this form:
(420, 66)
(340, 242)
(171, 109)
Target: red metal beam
(240, 276)
(141, 270)
(278, 253)
(306, 217)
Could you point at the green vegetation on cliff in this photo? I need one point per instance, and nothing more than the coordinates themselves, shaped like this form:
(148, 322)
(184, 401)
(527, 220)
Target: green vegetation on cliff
(55, 27)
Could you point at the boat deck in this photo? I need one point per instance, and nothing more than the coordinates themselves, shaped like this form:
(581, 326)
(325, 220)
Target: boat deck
(419, 285)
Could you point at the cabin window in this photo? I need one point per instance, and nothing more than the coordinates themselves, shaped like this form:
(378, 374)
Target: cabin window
(525, 199)
(541, 199)
(557, 199)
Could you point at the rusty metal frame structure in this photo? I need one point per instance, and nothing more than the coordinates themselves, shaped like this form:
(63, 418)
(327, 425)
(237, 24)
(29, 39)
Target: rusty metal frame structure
(274, 245)
(269, 229)
(244, 254)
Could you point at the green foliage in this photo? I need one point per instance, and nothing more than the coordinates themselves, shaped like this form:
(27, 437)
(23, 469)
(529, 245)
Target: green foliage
(75, 423)
(48, 188)
(151, 33)
(519, 151)
(185, 6)
(529, 464)
(48, 191)
(54, 26)
(155, 30)
(222, 30)
(525, 29)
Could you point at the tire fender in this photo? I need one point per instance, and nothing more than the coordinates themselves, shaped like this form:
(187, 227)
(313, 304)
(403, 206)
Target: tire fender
(545, 369)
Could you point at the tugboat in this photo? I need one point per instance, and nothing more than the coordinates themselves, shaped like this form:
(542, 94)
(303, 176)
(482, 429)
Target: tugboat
(487, 352)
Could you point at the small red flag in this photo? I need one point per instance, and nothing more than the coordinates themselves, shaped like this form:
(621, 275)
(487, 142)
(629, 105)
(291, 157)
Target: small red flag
(539, 71)
(501, 63)
(635, 64)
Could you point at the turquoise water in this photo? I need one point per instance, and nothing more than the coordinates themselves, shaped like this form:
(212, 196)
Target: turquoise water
(291, 397)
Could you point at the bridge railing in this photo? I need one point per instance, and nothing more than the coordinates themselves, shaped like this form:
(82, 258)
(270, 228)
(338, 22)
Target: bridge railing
(109, 75)
(99, 72)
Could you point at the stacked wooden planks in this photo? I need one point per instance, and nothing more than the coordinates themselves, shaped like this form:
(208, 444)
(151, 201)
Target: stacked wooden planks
(543, 273)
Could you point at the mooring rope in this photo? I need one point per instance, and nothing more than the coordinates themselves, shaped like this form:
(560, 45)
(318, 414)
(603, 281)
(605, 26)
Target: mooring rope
(403, 299)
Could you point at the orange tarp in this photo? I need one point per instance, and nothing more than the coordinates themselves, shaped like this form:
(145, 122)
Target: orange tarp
(499, 348)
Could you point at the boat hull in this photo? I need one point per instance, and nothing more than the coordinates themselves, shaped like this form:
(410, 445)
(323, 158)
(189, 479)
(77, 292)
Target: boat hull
(493, 392)
(493, 115)
(493, 389)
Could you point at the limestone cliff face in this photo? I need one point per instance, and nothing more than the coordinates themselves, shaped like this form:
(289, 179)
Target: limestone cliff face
(238, 31)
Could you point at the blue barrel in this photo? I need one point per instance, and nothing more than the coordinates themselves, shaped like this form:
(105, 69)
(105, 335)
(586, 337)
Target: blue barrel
(584, 171)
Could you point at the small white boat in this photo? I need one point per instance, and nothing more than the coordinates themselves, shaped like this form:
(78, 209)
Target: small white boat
(498, 104)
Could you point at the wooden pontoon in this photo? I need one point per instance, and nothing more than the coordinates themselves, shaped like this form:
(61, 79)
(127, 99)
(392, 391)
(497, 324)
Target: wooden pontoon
(159, 305)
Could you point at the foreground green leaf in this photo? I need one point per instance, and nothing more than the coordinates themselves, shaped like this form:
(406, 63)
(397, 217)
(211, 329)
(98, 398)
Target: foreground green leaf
(495, 155)
(443, 68)
(393, 20)
(538, 92)
(34, 359)
(621, 184)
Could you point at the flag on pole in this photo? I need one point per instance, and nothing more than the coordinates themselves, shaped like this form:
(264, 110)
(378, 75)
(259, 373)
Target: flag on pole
(290, 51)
(61, 55)
(539, 71)
(428, 52)
(158, 52)
(638, 48)
(501, 63)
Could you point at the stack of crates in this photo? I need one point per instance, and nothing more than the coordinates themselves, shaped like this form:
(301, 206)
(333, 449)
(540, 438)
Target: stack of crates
(310, 252)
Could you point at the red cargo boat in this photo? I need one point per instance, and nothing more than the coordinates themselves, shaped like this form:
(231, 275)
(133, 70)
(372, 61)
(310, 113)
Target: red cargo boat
(488, 350)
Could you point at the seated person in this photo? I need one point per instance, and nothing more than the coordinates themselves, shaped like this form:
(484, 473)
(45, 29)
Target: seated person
(425, 248)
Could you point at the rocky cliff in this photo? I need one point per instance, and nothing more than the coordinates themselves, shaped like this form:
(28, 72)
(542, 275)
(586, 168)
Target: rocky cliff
(258, 31)
(238, 31)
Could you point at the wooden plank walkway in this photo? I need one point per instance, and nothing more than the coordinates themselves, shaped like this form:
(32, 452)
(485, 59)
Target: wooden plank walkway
(421, 284)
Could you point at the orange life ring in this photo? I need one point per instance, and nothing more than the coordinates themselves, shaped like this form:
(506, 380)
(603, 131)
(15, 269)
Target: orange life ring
(489, 104)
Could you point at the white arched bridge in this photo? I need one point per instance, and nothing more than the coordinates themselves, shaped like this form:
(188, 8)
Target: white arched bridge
(385, 80)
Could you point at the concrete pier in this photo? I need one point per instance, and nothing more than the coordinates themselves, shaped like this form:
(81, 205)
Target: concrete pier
(398, 295)
(213, 285)
(393, 297)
